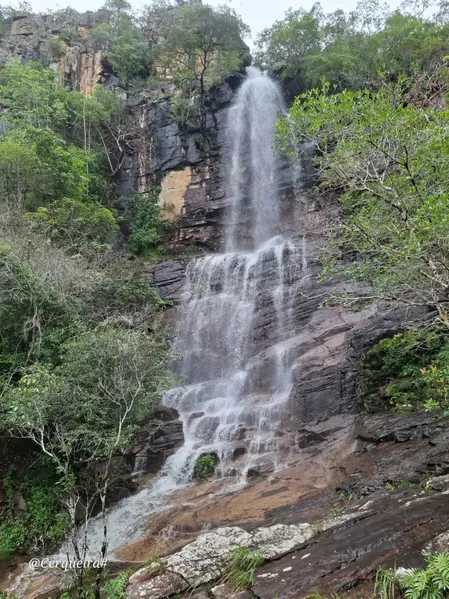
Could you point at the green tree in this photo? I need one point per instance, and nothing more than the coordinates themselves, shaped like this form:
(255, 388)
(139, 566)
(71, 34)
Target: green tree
(122, 41)
(144, 214)
(77, 225)
(286, 44)
(85, 411)
(200, 45)
(367, 47)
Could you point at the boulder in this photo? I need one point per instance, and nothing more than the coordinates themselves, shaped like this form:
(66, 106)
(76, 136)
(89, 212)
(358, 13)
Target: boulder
(162, 586)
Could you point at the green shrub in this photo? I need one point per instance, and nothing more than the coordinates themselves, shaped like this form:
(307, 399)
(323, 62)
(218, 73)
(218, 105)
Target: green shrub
(242, 568)
(394, 371)
(77, 225)
(204, 466)
(115, 588)
(56, 47)
(430, 583)
(37, 307)
(143, 212)
(42, 525)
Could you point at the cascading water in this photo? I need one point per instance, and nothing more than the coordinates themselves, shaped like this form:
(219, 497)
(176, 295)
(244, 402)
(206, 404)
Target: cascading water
(225, 409)
(237, 314)
(252, 184)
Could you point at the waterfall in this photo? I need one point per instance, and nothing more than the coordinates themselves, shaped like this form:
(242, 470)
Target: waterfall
(251, 177)
(231, 405)
(237, 316)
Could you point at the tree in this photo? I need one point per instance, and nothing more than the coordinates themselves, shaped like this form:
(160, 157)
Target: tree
(200, 45)
(83, 412)
(122, 42)
(79, 226)
(388, 161)
(285, 45)
(363, 48)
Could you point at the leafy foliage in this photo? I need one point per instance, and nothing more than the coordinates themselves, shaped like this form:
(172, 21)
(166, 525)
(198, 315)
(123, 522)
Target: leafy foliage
(392, 370)
(387, 158)
(122, 41)
(144, 212)
(386, 584)
(77, 225)
(430, 583)
(115, 588)
(43, 524)
(200, 46)
(53, 158)
(362, 48)
(31, 311)
(242, 568)
(204, 466)
(71, 411)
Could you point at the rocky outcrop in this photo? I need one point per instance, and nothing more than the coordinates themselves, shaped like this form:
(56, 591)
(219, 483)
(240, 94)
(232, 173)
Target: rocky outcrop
(156, 441)
(185, 162)
(61, 42)
(312, 546)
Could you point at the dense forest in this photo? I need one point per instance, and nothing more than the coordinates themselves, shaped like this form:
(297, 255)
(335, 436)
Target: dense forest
(84, 355)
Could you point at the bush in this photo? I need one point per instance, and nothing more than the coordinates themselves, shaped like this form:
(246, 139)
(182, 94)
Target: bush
(80, 226)
(34, 304)
(56, 47)
(108, 378)
(42, 526)
(204, 466)
(121, 295)
(394, 371)
(143, 212)
(430, 583)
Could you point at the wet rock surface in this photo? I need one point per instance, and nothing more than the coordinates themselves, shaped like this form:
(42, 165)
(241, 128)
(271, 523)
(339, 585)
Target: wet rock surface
(156, 441)
(346, 503)
(382, 524)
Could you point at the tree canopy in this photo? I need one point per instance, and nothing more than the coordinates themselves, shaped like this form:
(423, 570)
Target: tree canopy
(363, 48)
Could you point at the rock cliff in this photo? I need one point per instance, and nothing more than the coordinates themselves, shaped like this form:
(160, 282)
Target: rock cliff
(60, 42)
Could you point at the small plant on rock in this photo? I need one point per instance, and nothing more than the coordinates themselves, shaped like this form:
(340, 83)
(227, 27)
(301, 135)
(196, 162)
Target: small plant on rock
(115, 588)
(400, 484)
(430, 583)
(204, 466)
(242, 568)
(385, 584)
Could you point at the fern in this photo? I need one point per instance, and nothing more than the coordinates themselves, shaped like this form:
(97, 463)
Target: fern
(431, 583)
(115, 588)
(438, 563)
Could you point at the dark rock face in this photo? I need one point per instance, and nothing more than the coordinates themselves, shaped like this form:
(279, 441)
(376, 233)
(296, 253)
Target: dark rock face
(166, 146)
(168, 278)
(155, 442)
(380, 428)
(344, 557)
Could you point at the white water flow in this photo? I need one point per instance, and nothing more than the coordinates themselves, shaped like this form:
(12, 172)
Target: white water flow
(231, 405)
(236, 316)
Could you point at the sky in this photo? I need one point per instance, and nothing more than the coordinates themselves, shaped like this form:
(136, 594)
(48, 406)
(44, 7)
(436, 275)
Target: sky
(258, 14)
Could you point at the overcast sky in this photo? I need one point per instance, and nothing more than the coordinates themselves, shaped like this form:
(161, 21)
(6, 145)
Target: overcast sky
(258, 14)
